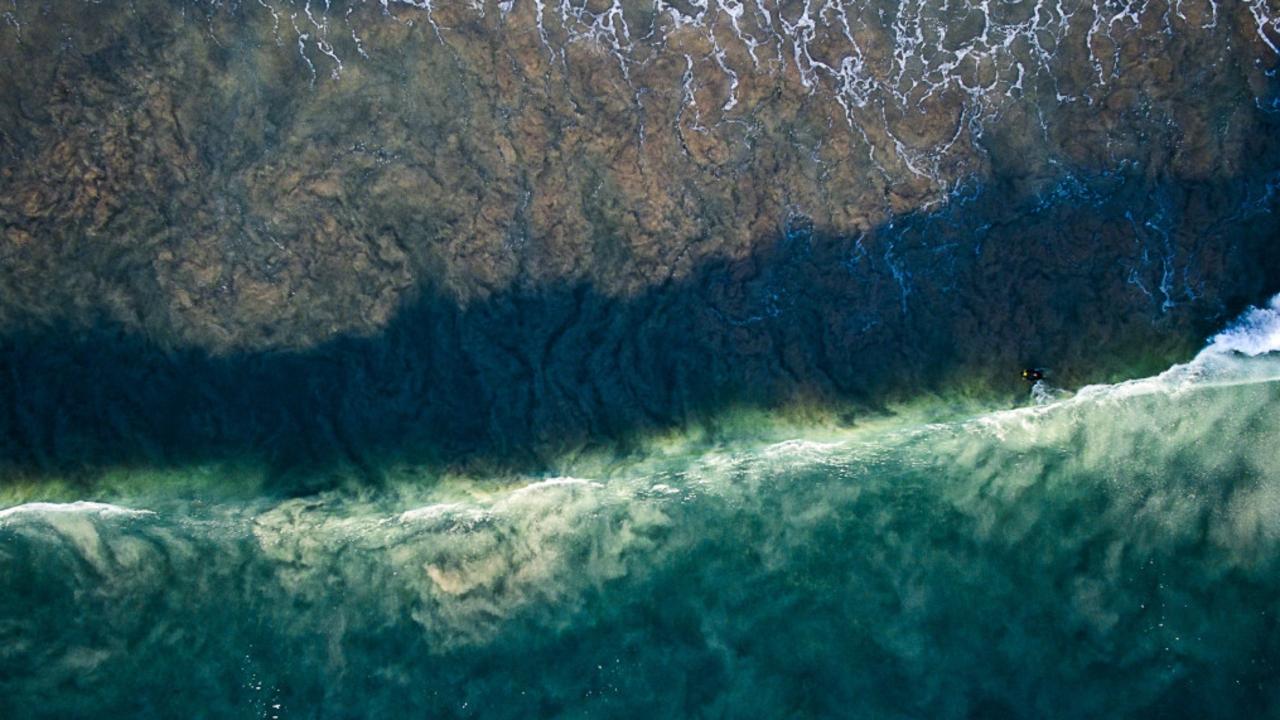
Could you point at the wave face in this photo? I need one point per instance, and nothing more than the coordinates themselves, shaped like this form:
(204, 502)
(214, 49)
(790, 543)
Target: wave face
(1112, 553)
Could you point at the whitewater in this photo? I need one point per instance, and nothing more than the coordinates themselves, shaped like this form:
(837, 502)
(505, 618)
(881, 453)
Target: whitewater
(1109, 552)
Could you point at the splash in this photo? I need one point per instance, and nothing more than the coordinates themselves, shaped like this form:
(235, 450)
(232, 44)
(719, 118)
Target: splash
(1236, 355)
(1256, 332)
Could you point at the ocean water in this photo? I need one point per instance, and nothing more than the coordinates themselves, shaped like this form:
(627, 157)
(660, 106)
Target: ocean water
(639, 359)
(1112, 552)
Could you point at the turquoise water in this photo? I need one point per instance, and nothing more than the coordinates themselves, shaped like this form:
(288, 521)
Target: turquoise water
(1109, 553)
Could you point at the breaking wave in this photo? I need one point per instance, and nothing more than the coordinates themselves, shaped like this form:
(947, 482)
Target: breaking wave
(1111, 553)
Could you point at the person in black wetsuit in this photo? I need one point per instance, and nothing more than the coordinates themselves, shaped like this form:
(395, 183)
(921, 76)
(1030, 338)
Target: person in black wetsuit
(1032, 374)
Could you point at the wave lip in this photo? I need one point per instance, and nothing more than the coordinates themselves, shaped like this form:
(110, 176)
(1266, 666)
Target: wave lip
(1255, 332)
(83, 507)
(1228, 358)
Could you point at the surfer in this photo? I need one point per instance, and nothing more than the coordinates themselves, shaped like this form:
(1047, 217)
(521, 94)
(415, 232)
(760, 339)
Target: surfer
(1032, 374)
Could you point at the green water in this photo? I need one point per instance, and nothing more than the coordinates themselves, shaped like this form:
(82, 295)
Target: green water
(1114, 553)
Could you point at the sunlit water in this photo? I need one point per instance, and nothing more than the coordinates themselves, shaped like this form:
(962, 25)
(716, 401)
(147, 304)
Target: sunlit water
(1110, 553)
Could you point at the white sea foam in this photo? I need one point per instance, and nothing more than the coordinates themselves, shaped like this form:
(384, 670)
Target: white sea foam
(1256, 332)
(451, 516)
(869, 61)
(1234, 356)
(556, 482)
(865, 57)
(80, 507)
